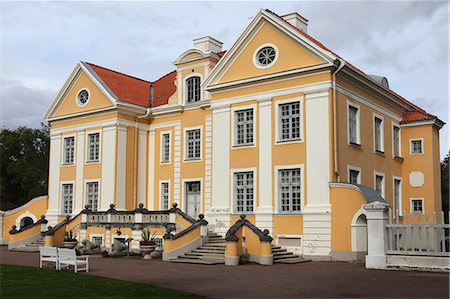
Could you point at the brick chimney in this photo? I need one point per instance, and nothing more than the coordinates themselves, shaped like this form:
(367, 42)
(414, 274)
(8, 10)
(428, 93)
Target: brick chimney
(207, 44)
(297, 21)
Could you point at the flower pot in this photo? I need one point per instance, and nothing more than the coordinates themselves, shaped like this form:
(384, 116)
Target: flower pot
(70, 244)
(146, 250)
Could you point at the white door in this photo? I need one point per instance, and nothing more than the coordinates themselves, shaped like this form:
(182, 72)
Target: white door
(193, 199)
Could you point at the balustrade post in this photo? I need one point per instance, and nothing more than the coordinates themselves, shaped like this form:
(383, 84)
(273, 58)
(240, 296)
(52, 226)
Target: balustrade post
(173, 213)
(377, 218)
(43, 224)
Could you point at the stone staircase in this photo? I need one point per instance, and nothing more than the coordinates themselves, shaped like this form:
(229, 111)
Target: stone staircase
(213, 253)
(30, 247)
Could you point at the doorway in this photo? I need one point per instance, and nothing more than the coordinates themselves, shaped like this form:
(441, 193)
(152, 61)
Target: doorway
(193, 198)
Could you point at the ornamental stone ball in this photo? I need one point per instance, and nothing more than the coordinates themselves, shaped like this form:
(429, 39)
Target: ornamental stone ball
(86, 207)
(201, 216)
(111, 206)
(266, 232)
(141, 205)
(67, 217)
(14, 227)
(242, 216)
(42, 217)
(174, 205)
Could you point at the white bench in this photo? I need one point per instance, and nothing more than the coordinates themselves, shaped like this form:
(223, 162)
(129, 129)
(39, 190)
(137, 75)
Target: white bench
(68, 257)
(48, 254)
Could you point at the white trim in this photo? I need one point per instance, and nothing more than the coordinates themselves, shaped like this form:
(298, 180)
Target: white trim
(358, 123)
(277, 103)
(86, 181)
(255, 188)
(411, 207)
(185, 129)
(183, 193)
(351, 167)
(142, 167)
(393, 125)
(91, 235)
(277, 168)
(410, 146)
(435, 122)
(77, 100)
(164, 125)
(61, 198)
(161, 148)
(89, 132)
(400, 200)
(151, 171)
(383, 183)
(23, 215)
(160, 194)
(255, 59)
(63, 150)
(121, 168)
(109, 162)
(375, 115)
(233, 127)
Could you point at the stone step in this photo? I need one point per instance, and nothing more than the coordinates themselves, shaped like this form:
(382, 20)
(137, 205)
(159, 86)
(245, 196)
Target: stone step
(279, 250)
(283, 256)
(219, 249)
(205, 255)
(26, 249)
(293, 260)
(217, 245)
(202, 257)
(194, 261)
(218, 241)
(276, 247)
(205, 251)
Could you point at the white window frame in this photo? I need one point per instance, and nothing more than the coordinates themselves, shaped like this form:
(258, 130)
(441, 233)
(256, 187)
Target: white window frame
(356, 168)
(183, 190)
(185, 87)
(400, 203)
(185, 159)
(255, 59)
(410, 146)
(63, 154)
(85, 199)
(411, 206)
(62, 196)
(358, 123)
(234, 145)
(161, 155)
(78, 92)
(383, 183)
(255, 189)
(277, 168)
(93, 235)
(381, 151)
(394, 125)
(161, 202)
(278, 141)
(99, 147)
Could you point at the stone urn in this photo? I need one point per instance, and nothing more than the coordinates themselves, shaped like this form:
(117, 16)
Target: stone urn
(70, 244)
(146, 249)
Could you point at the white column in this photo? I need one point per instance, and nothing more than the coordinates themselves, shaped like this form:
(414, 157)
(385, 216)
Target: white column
(377, 218)
(264, 212)
(208, 158)
(142, 167)
(108, 167)
(151, 171)
(219, 214)
(177, 167)
(53, 179)
(179, 87)
(121, 176)
(317, 212)
(79, 172)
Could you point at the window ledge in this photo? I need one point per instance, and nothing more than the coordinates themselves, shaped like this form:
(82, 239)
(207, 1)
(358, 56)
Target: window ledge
(398, 158)
(289, 141)
(355, 145)
(378, 152)
(192, 160)
(68, 164)
(239, 146)
(93, 162)
(288, 214)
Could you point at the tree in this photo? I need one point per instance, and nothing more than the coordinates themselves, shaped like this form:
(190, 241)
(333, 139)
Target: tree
(445, 183)
(24, 154)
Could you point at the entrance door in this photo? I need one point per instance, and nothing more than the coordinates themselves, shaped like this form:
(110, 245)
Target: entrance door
(193, 199)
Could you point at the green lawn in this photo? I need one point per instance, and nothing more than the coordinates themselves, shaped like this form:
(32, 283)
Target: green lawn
(28, 282)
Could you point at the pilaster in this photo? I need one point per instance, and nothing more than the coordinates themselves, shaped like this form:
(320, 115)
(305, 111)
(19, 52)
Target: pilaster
(54, 179)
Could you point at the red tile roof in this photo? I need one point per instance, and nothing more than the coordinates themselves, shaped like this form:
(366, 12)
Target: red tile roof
(164, 87)
(417, 116)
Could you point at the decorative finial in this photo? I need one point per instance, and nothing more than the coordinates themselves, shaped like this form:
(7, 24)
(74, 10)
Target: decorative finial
(141, 205)
(201, 216)
(86, 207)
(266, 232)
(111, 206)
(242, 216)
(175, 205)
(42, 217)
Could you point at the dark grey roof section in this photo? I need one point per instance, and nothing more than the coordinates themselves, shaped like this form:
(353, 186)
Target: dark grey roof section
(383, 81)
(369, 194)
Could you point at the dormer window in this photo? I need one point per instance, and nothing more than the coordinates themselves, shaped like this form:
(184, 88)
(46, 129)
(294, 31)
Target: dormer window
(193, 89)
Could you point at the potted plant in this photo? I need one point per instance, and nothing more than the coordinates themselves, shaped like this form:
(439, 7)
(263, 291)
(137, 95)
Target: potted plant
(70, 240)
(147, 243)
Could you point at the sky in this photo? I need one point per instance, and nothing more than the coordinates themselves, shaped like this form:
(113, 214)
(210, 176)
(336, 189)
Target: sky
(41, 42)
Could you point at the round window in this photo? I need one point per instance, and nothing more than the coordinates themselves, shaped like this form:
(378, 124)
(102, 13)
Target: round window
(266, 56)
(83, 97)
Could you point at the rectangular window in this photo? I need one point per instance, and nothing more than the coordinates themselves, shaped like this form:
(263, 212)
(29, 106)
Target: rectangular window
(159, 242)
(378, 134)
(243, 191)
(416, 146)
(164, 196)
(417, 205)
(353, 122)
(397, 196)
(193, 144)
(243, 130)
(165, 148)
(396, 141)
(97, 240)
(290, 190)
(353, 176)
(69, 150)
(193, 89)
(67, 193)
(289, 121)
(379, 184)
(93, 147)
(92, 195)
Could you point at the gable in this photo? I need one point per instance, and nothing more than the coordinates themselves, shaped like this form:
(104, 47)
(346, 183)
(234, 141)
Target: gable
(68, 103)
(291, 55)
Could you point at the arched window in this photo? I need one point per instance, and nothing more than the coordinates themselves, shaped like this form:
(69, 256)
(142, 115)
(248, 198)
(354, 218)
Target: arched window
(193, 89)
(26, 221)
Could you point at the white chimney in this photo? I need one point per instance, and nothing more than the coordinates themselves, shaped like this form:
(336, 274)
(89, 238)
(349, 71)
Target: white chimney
(208, 44)
(297, 21)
